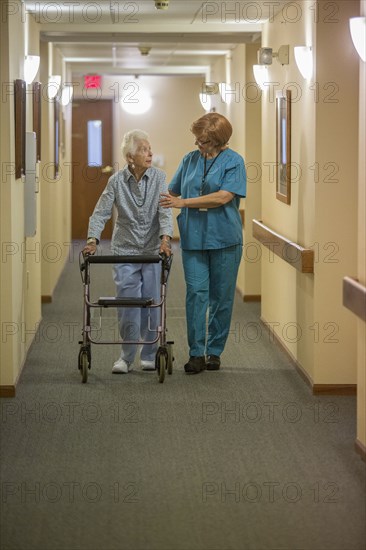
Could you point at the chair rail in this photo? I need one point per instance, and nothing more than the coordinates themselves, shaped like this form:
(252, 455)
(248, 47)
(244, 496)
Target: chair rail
(299, 257)
(354, 297)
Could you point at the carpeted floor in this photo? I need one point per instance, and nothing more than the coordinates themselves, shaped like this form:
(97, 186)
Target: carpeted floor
(241, 459)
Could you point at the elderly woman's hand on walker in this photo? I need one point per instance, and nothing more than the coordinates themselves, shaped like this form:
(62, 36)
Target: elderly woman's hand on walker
(165, 246)
(90, 247)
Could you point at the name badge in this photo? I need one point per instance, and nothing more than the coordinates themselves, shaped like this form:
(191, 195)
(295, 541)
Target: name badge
(203, 209)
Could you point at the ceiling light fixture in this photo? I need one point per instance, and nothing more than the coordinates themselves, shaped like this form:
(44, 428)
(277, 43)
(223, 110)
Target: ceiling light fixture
(140, 103)
(144, 50)
(161, 4)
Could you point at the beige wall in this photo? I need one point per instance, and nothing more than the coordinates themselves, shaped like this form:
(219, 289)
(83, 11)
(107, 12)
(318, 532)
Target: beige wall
(361, 253)
(253, 202)
(55, 191)
(305, 309)
(29, 267)
(8, 351)
(287, 297)
(17, 281)
(336, 227)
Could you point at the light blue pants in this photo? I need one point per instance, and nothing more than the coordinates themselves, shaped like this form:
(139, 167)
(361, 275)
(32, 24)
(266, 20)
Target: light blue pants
(211, 280)
(138, 281)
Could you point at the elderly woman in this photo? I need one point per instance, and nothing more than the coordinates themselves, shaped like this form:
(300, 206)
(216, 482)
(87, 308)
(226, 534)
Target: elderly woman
(142, 227)
(207, 187)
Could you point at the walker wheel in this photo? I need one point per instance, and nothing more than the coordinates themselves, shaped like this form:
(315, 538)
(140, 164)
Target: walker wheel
(87, 350)
(161, 363)
(170, 358)
(84, 366)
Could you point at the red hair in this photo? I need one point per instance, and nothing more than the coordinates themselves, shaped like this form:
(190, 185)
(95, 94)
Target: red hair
(213, 127)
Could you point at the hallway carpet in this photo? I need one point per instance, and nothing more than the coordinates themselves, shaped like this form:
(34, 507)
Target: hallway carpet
(240, 459)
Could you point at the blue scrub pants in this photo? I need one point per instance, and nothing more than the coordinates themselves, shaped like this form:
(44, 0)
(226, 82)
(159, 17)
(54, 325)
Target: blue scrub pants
(211, 281)
(138, 281)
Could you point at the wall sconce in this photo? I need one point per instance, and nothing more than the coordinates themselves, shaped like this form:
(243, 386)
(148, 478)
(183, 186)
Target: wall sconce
(357, 27)
(66, 95)
(208, 89)
(261, 75)
(54, 83)
(265, 55)
(31, 66)
(304, 60)
(205, 101)
(226, 92)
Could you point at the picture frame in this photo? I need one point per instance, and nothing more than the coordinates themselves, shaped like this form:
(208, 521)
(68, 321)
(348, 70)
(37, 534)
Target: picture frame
(20, 121)
(37, 118)
(56, 136)
(283, 146)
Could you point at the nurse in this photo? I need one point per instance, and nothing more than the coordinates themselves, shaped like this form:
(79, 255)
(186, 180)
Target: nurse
(207, 188)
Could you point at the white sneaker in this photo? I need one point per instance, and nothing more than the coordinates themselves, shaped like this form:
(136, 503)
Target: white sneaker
(147, 365)
(121, 366)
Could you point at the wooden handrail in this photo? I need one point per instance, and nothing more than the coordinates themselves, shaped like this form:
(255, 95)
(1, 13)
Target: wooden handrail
(299, 257)
(354, 297)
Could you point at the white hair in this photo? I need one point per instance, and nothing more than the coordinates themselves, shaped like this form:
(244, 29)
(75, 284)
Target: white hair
(130, 141)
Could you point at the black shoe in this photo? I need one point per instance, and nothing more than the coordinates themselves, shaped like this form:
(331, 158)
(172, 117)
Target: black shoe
(195, 365)
(213, 362)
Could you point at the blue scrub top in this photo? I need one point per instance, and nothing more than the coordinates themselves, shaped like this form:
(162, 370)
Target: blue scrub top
(218, 227)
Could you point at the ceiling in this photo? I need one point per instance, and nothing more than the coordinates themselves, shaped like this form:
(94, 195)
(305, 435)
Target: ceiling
(104, 36)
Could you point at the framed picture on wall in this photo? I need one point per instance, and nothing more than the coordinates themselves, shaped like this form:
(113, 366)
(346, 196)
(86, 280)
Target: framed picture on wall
(19, 107)
(56, 136)
(283, 146)
(37, 116)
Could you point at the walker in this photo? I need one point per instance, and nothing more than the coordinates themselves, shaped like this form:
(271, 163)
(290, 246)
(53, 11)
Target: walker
(164, 355)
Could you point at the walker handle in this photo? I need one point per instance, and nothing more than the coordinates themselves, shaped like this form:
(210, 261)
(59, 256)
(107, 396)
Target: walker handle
(143, 259)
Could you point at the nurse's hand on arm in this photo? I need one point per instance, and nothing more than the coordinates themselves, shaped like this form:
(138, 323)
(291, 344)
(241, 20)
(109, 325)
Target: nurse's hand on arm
(212, 200)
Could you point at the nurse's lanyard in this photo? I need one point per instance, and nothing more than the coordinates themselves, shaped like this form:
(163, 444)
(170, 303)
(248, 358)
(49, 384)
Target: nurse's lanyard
(205, 173)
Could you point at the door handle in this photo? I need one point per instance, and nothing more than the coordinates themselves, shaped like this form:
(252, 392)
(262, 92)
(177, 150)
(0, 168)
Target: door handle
(107, 169)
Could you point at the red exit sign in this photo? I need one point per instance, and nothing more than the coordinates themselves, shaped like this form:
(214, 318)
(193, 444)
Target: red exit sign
(92, 81)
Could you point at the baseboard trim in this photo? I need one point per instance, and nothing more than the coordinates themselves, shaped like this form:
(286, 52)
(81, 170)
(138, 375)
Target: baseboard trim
(335, 389)
(317, 389)
(301, 371)
(360, 449)
(252, 298)
(46, 299)
(7, 391)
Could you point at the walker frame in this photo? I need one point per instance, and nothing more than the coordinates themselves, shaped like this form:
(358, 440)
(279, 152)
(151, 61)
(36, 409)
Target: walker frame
(164, 355)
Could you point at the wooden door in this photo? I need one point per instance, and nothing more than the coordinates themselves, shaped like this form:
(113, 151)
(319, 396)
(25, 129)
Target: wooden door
(92, 161)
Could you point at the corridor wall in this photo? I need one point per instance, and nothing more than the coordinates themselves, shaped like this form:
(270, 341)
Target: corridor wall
(361, 255)
(304, 311)
(20, 271)
(30, 266)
